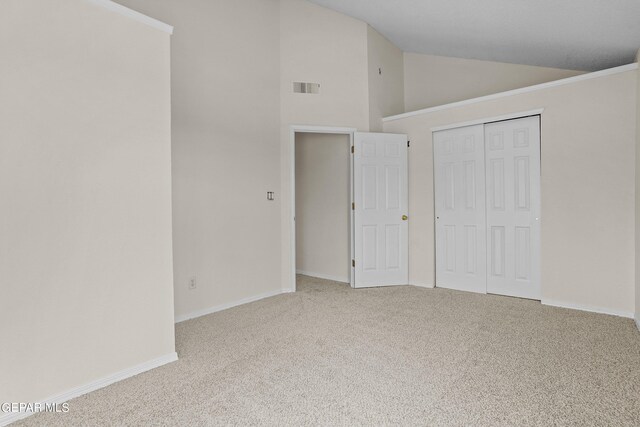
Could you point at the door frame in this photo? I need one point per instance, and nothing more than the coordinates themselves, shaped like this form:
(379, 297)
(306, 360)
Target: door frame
(511, 116)
(482, 121)
(293, 129)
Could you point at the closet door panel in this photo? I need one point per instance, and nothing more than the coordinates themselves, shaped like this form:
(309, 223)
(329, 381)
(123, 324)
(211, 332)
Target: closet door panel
(459, 178)
(512, 152)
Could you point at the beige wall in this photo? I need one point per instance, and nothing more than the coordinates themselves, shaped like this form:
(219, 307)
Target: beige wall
(85, 196)
(226, 148)
(588, 168)
(436, 80)
(386, 79)
(322, 46)
(233, 103)
(323, 205)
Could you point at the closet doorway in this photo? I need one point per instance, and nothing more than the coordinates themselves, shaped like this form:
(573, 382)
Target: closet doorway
(487, 206)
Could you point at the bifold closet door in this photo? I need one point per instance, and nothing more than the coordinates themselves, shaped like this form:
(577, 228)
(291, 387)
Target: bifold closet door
(459, 178)
(512, 153)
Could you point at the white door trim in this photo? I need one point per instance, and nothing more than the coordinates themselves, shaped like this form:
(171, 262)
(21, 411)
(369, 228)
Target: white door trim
(512, 116)
(293, 129)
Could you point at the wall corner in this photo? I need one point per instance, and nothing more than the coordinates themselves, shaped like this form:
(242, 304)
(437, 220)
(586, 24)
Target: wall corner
(637, 198)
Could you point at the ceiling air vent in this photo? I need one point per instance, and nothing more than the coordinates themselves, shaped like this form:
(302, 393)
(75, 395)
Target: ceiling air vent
(301, 87)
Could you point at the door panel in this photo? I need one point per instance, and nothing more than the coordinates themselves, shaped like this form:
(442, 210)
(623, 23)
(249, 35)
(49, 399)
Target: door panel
(513, 207)
(381, 199)
(459, 175)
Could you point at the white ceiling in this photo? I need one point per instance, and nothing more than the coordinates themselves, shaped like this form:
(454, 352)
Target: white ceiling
(574, 34)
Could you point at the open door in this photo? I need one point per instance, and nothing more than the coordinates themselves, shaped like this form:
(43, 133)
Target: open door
(380, 194)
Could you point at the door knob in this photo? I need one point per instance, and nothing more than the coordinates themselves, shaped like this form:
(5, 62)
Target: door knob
(404, 217)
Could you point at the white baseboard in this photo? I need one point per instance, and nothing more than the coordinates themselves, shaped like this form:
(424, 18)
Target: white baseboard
(214, 309)
(8, 418)
(324, 276)
(638, 322)
(421, 285)
(588, 308)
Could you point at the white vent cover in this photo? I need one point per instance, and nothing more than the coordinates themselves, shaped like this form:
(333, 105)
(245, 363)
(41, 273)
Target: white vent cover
(301, 87)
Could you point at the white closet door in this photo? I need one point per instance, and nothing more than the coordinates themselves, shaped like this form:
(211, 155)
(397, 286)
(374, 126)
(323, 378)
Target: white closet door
(460, 209)
(381, 196)
(512, 150)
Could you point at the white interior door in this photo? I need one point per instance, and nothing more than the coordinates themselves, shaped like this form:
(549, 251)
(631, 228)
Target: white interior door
(381, 207)
(459, 179)
(513, 207)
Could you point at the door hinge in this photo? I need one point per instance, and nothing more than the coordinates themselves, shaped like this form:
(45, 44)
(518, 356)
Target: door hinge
(408, 144)
(353, 263)
(353, 149)
(353, 206)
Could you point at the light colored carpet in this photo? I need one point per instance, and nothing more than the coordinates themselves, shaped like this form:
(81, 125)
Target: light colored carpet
(330, 355)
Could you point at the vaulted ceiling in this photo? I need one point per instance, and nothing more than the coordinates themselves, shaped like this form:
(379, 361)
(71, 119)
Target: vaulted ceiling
(573, 34)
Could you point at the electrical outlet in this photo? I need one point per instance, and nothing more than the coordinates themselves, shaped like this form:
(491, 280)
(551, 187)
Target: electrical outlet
(192, 283)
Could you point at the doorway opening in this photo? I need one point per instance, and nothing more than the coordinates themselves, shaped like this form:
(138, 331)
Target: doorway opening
(377, 207)
(322, 207)
(321, 200)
